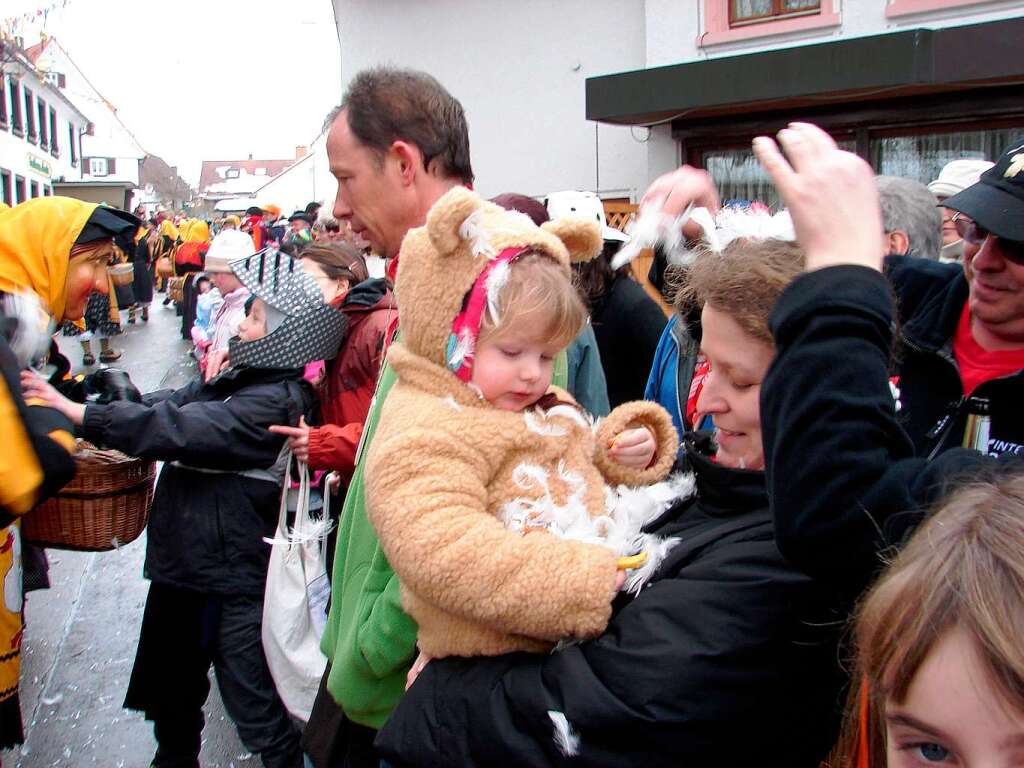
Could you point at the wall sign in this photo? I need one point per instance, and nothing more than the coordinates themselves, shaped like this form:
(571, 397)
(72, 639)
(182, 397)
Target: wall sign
(39, 165)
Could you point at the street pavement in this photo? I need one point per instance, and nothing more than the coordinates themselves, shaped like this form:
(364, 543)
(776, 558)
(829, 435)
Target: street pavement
(81, 634)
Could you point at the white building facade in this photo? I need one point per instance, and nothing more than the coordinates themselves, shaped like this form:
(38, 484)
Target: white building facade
(111, 155)
(40, 133)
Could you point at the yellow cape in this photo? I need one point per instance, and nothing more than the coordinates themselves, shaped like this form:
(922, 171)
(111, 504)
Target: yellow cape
(35, 245)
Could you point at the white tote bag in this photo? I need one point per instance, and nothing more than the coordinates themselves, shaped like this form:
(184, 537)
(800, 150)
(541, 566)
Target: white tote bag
(295, 603)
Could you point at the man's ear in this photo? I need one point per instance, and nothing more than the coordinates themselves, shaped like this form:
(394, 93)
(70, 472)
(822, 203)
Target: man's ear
(899, 242)
(410, 160)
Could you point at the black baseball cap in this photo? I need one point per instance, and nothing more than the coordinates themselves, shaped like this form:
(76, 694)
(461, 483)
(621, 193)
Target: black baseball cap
(996, 202)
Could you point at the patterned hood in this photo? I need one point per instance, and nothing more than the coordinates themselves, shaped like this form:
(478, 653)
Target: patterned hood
(311, 330)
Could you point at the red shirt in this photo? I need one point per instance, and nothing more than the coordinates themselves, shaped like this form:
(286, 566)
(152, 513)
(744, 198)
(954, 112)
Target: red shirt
(977, 364)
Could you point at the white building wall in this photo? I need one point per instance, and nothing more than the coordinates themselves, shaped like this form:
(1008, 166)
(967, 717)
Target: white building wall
(109, 136)
(519, 70)
(21, 158)
(307, 180)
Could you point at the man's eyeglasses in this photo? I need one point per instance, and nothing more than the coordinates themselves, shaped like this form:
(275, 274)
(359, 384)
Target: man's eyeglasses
(973, 233)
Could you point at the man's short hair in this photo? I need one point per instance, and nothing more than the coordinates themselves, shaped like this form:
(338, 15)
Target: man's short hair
(385, 104)
(909, 207)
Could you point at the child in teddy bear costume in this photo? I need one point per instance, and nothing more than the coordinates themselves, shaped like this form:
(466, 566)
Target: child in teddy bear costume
(474, 450)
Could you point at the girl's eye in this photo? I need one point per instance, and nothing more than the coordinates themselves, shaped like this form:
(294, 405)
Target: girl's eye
(508, 352)
(547, 358)
(931, 752)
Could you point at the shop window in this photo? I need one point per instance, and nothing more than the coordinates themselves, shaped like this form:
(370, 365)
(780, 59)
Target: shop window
(17, 126)
(33, 189)
(729, 21)
(921, 156)
(30, 116)
(20, 194)
(54, 146)
(741, 179)
(47, 190)
(6, 190)
(44, 125)
(755, 11)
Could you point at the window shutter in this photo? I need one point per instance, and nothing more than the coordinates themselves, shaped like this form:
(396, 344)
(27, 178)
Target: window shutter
(85, 166)
(111, 166)
(62, 81)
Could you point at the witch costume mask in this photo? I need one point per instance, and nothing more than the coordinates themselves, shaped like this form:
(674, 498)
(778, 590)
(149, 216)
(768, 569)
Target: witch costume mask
(311, 329)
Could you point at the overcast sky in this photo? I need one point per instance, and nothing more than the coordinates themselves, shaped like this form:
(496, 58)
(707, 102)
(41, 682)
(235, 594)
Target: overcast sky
(202, 80)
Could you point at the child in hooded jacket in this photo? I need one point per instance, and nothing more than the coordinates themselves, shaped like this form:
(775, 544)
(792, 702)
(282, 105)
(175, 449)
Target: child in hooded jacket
(483, 481)
(216, 501)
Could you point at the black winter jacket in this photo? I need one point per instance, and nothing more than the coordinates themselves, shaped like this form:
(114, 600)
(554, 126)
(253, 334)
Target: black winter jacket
(843, 477)
(930, 299)
(215, 500)
(722, 660)
(628, 325)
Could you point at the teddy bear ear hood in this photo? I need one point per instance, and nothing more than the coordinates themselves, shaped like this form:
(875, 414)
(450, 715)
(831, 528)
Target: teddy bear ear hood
(441, 261)
(581, 238)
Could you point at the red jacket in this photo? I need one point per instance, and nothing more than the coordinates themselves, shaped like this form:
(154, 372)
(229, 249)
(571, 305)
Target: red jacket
(351, 377)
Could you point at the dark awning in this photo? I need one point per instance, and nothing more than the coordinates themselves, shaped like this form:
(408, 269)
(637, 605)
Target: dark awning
(879, 66)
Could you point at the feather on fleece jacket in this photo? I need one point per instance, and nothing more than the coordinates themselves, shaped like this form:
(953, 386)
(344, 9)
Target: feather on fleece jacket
(439, 472)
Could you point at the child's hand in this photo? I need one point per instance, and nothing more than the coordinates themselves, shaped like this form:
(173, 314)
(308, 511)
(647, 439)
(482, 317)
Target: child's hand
(298, 438)
(417, 667)
(35, 388)
(634, 448)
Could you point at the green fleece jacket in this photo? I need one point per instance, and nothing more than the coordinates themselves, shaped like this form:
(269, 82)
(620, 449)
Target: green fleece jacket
(369, 639)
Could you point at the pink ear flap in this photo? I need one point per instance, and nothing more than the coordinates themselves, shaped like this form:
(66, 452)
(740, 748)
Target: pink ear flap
(447, 216)
(580, 236)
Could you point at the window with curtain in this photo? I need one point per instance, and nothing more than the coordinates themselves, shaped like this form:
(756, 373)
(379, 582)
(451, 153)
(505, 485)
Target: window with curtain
(922, 156)
(740, 178)
(749, 11)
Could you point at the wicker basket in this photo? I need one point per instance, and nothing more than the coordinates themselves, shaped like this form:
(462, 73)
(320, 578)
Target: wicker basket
(176, 289)
(105, 506)
(122, 274)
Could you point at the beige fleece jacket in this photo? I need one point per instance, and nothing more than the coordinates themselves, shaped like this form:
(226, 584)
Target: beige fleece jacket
(444, 462)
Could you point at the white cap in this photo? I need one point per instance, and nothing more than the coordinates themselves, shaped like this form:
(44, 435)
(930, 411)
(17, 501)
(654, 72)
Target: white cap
(586, 204)
(226, 247)
(958, 175)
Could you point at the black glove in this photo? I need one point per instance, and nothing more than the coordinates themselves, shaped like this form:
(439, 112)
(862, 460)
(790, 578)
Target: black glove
(107, 385)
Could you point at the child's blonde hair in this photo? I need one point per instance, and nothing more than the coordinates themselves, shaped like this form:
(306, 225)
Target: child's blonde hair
(537, 294)
(963, 568)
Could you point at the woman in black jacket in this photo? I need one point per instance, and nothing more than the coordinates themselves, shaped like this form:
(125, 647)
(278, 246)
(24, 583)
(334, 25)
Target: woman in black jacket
(726, 658)
(215, 504)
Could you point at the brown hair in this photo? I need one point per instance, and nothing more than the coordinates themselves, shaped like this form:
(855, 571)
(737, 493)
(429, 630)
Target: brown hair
(744, 280)
(384, 105)
(338, 260)
(538, 291)
(964, 568)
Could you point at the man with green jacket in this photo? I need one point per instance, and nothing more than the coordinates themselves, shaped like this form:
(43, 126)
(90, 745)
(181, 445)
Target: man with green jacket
(396, 144)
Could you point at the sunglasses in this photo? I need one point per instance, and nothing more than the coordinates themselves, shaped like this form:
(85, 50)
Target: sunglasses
(972, 232)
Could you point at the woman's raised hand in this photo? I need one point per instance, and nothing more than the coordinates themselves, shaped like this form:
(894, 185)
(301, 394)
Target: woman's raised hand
(831, 195)
(672, 193)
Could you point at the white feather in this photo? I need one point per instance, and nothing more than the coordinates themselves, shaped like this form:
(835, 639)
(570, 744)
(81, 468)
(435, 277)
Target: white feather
(733, 223)
(451, 403)
(538, 423)
(472, 230)
(463, 349)
(566, 739)
(494, 284)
